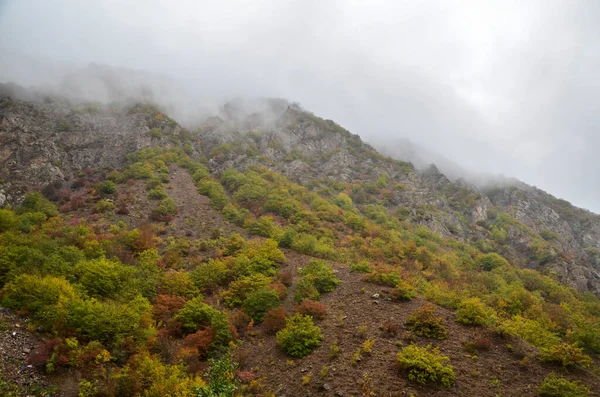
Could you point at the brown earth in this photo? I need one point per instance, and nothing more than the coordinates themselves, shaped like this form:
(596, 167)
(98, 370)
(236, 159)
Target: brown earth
(495, 372)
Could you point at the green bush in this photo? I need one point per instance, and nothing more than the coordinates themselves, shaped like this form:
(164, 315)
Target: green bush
(360, 267)
(104, 206)
(473, 311)
(491, 261)
(216, 192)
(107, 187)
(36, 202)
(424, 364)
(8, 220)
(196, 313)
(321, 274)
(556, 386)
(300, 336)
(157, 193)
(258, 303)
(241, 288)
(221, 376)
(531, 331)
(44, 298)
(166, 207)
(566, 355)
(104, 278)
(107, 321)
(305, 289)
(178, 282)
(263, 226)
(210, 274)
(29, 220)
(425, 322)
(403, 291)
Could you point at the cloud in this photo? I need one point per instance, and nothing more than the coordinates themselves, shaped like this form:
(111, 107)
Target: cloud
(495, 86)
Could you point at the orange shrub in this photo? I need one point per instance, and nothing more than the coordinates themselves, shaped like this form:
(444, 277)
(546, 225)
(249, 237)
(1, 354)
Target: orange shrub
(311, 308)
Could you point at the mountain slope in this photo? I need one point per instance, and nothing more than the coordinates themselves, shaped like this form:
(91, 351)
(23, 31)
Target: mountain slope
(140, 283)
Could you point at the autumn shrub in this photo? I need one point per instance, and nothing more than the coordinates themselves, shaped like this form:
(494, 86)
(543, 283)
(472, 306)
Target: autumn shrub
(300, 336)
(286, 277)
(425, 322)
(390, 328)
(200, 341)
(311, 308)
(556, 386)
(240, 322)
(473, 311)
(424, 365)
(164, 307)
(274, 320)
(566, 355)
(259, 302)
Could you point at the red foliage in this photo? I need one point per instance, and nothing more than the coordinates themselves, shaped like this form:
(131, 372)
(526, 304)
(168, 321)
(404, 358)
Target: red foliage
(240, 322)
(155, 216)
(146, 240)
(482, 344)
(315, 309)
(274, 320)
(280, 289)
(246, 376)
(200, 340)
(165, 306)
(79, 183)
(390, 329)
(77, 201)
(122, 208)
(93, 217)
(286, 278)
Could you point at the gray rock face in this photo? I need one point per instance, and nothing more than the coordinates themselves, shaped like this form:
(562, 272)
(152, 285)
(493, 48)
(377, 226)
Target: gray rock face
(41, 143)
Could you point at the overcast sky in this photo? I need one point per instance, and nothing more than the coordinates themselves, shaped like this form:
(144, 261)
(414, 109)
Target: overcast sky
(508, 87)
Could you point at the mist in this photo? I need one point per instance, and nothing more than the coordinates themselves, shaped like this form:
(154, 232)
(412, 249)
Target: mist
(494, 87)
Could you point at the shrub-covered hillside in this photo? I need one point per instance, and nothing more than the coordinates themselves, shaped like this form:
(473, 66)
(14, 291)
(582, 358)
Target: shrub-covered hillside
(177, 273)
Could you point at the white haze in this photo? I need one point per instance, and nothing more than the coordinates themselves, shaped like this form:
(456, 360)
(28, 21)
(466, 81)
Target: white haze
(504, 87)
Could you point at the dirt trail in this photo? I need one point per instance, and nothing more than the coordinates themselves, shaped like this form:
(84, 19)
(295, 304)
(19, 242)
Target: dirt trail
(195, 216)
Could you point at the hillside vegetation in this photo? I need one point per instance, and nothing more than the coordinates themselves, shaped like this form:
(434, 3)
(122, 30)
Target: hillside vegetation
(224, 262)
